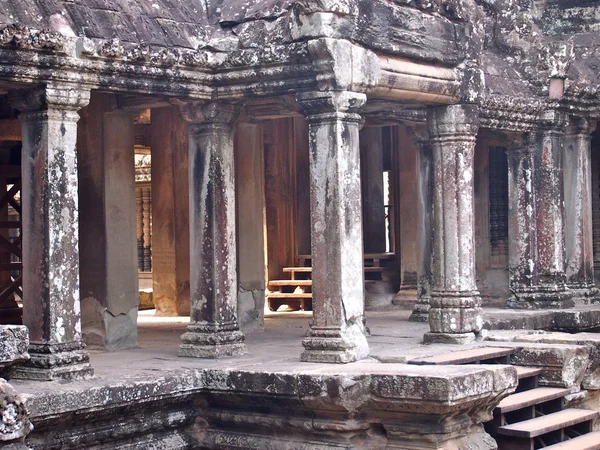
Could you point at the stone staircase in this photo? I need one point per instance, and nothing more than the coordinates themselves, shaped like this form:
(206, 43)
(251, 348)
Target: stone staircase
(296, 292)
(533, 417)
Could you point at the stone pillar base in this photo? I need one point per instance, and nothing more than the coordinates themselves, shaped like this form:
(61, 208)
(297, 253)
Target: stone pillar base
(584, 295)
(202, 344)
(420, 313)
(48, 363)
(449, 338)
(540, 300)
(331, 345)
(405, 296)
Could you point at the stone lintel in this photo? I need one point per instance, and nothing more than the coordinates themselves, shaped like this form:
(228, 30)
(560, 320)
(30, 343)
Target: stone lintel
(214, 328)
(337, 333)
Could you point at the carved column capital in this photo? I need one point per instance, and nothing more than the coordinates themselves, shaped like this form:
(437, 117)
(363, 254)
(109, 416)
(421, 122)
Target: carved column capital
(553, 121)
(580, 126)
(53, 96)
(332, 106)
(207, 115)
(453, 121)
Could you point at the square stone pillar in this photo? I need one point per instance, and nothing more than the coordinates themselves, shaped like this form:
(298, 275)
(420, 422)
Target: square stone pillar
(50, 208)
(371, 158)
(213, 330)
(536, 219)
(170, 215)
(337, 331)
(250, 178)
(455, 312)
(425, 186)
(108, 257)
(578, 211)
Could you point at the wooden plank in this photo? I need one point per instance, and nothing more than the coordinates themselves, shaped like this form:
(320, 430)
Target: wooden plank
(11, 266)
(527, 372)
(290, 283)
(297, 269)
(548, 423)
(588, 441)
(10, 130)
(290, 296)
(529, 398)
(365, 256)
(465, 356)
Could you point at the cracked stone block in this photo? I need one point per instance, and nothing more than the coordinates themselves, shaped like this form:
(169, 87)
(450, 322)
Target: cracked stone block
(14, 341)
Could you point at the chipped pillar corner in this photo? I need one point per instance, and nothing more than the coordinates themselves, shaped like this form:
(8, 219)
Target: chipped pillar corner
(536, 220)
(425, 183)
(337, 332)
(577, 170)
(213, 330)
(108, 258)
(250, 225)
(455, 306)
(49, 198)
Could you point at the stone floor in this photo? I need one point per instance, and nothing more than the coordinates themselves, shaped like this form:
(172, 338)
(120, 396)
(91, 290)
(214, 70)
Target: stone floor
(393, 340)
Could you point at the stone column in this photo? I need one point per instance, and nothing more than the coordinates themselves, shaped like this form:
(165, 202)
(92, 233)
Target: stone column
(213, 330)
(371, 157)
(108, 257)
(455, 312)
(409, 217)
(51, 233)
(425, 213)
(337, 331)
(250, 179)
(536, 219)
(170, 217)
(578, 211)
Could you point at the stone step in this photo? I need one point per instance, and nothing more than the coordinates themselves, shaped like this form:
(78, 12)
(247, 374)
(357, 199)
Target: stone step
(548, 423)
(588, 441)
(472, 356)
(532, 397)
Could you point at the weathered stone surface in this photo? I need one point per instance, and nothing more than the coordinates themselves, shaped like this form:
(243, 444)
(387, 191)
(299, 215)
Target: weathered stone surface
(213, 330)
(337, 331)
(50, 232)
(14, 341)
(14, 420)
(455, 312)
(564, 365)
(579, 249)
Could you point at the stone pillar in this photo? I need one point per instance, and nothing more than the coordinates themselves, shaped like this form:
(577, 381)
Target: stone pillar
(578, 211)
(170, 214)
(51, 233)
(425, 240)
(536, 219)
(337, 331)
(408, 143)
(250, 192)
(108, 257)
(371, 157)
(213, 330)
(455, 312)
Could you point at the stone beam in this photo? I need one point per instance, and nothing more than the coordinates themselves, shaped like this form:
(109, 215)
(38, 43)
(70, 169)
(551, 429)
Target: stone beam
(455, 313)
(213, 330)
(578, 211)
(337, 331)
(51, 232)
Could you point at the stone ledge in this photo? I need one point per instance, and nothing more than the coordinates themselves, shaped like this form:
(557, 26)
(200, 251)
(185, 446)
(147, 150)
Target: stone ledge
(387, 404)
(14, 341)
